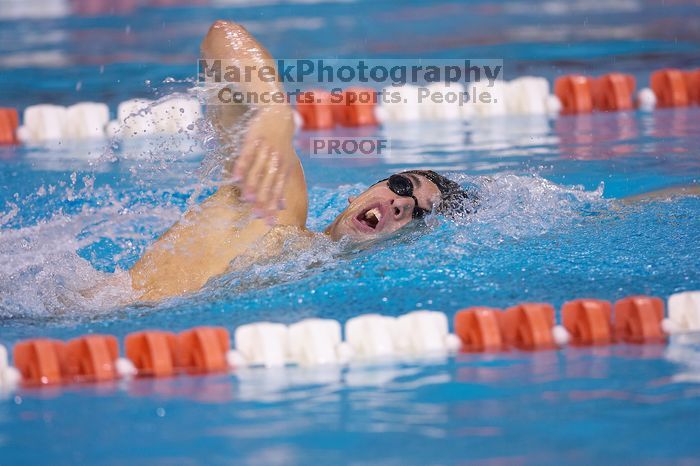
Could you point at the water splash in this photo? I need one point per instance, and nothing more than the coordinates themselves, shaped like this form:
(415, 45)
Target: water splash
(49, 265)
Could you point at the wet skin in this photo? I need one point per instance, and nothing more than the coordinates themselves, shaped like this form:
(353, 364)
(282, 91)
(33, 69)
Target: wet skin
(265, 197)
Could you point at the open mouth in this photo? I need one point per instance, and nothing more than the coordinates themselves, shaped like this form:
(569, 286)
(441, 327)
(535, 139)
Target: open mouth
(370, 218)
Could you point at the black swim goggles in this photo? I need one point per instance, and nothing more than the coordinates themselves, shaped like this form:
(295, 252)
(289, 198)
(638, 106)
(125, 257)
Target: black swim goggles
(402, 185)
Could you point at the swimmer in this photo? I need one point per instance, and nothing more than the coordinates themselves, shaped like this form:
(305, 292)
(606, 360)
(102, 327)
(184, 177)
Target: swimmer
(265, 200)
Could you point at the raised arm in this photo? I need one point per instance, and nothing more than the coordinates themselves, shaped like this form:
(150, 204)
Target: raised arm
(266, 185)
(267, 170)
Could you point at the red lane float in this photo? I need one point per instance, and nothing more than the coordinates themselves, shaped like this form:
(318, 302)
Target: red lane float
(588, 321)
(315, 109)
(152, 352)
(357, 108)
(529, 326)
(575, 93)
(669, 86)
(638, 319)
(692, 83)
(203, 349)
(321, 110)
(92, 358)
(9, 122)
(479, 329)
(614, 92)
(41, 361)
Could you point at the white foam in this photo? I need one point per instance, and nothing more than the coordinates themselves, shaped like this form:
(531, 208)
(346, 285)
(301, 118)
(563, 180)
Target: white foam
(176, 114)
(145, 128)
(135, 119)
(41, 273)
(523, 206)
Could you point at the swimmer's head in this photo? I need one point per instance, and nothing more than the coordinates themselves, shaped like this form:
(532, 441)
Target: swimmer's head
(393, 203)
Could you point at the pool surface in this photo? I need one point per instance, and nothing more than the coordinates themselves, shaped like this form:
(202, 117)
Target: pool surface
(551, 228)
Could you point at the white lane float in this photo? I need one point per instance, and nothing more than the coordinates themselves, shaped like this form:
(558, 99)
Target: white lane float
(86, 120)
(399, 104)
(683, 313)
(561, 335)
(442, 102)
(553, 105)
(372, 335)
(9, 376)
(315, 345)
(44, 123)
(488, 101)
(134, 119)
(125, 368)
(425, 332)
(527, 95)
(646, 99)
(317, 342)
(175, 114)
(261, 344)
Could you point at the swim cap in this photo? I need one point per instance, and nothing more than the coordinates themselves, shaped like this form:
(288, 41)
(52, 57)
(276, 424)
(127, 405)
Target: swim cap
(454, 200)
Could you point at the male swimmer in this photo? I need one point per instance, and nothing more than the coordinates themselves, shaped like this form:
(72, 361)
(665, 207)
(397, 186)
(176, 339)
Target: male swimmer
(266, 200)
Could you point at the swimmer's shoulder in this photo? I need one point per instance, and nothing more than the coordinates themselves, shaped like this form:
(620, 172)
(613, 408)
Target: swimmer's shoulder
(289, 237)
(280, 243)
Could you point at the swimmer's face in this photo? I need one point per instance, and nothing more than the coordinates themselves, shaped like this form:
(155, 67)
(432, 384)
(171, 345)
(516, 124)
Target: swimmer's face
(379, 211)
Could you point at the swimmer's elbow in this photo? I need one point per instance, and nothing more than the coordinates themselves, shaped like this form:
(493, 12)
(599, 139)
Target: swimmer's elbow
(227, 39)
(216, 36)
(222, 28)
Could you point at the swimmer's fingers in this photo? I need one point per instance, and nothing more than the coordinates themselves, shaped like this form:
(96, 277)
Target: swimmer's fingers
(267, 182)
(275, 202)
(245, 159)
(278, 189)
(254, 173)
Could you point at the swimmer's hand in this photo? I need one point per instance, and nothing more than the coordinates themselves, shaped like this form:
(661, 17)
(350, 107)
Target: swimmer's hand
(262, 169)
(266, 169)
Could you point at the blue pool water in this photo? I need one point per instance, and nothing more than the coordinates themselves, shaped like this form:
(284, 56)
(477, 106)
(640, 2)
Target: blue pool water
(551, 228)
